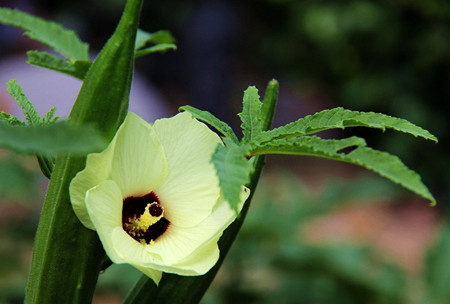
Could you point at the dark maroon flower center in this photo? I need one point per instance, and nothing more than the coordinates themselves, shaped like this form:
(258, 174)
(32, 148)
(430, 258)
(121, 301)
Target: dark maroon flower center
(134, 208)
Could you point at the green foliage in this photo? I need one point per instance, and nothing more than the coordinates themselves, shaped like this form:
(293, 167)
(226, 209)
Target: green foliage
(46, 60)
(213, 121)
(10, 119)
(268, 106)
(16, 182)
(383, 163)
(102, 102)
(159, 37)
(162, 40)
(51, 140)
(31, 115)
(271, 263)
(63, 41)
(342, 118)
(438, 268)
(251, 115)
(233, 170)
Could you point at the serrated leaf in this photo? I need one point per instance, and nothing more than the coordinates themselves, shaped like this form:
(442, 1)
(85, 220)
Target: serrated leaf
(77, 68)
(50, 140)
(62, 40)
(250, 115)
(383, 163)
(10, 119)
(233, 170)
(342, 118)
(49, 117)
(213, 121)
(31, 115)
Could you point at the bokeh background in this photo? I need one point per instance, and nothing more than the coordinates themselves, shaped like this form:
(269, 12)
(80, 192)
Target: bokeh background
(317, 231)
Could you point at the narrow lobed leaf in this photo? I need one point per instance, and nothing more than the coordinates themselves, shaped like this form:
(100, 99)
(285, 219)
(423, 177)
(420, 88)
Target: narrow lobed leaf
(10, 119)
(50, 140)
(233, 170)
(62, 40)
(268, 108)
(213, 121)
(77, 68)
(159, 37)
(383, 163)
(342, 118)
(49, 117)
(250, 115)
(163, 47)
(31, 115)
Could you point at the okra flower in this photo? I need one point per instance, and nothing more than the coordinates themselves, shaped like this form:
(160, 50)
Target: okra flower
(154, 198)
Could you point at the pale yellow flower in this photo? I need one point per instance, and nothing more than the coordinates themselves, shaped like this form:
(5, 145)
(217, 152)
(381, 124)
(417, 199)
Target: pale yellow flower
(154, 198)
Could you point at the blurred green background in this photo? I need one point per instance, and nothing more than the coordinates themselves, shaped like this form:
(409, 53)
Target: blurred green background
(318, 232)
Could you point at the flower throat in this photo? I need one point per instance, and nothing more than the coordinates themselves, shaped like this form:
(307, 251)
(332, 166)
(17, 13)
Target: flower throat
(143, 218)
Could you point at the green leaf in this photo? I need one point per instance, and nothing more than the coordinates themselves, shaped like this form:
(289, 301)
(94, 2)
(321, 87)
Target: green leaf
(250, 115)
(50, 140)
(213, 121)
(159, 37)
(49, 117)
(163, 41)
(63, 41)
(383, 163)
(268, 108)
(10, 119)
(233, 170)
(28, 109)
(77, 68)
(341, 118)
(163, 47)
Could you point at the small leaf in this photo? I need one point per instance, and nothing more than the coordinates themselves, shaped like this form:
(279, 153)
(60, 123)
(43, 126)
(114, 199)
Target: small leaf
(77, 68)
(163, 41)
(49, 117)
(233, 170)
(51, 140)
(163, 47)
(28, 109)
(268, 106)
(213, 121)
(383, 163)
(159, 37)
(250, 115)
(341, 118)
(10, 119)
(63, 41)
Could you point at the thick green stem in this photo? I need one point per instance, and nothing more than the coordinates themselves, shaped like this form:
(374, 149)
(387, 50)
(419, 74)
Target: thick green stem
(176, 289)
(67, 257)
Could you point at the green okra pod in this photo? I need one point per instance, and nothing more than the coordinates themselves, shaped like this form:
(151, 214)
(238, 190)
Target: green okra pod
(67, 257)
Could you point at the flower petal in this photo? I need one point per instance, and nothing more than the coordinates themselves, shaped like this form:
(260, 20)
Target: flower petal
(98, 169)
(200, 262)
(104, 205)
(139, 165)
(191, 189)
(155, 275)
